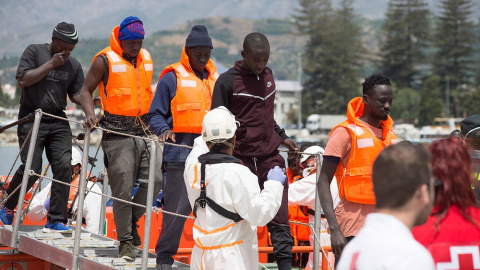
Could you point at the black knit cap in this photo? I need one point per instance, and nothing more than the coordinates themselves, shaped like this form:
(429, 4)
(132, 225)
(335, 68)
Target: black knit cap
(198, 37)
(469, 123)
(66, 32)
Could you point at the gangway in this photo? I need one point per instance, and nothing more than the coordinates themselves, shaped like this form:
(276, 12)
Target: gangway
(96, 251)
(89, 251)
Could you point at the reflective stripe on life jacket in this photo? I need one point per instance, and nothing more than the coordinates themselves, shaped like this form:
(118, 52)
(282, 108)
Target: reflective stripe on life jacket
(355, 181)
(298, 213)
(193, 96)
(128, 91)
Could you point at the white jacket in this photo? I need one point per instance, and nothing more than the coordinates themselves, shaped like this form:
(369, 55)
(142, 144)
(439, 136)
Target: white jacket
(302, 192)
(220, 243)
(91, 207)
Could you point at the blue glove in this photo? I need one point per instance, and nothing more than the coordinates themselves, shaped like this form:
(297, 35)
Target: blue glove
(46, 204)
(277, 174)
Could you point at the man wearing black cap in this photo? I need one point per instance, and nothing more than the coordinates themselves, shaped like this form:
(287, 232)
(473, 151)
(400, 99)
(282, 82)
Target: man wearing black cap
(470, 129)
(47, 73)
(182, 98)
(123, 74)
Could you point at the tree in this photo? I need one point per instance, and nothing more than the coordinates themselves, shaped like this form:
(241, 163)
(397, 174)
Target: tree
(406, 29)
(455, 40)
(331, 60)
(405, 105)
(431, 100)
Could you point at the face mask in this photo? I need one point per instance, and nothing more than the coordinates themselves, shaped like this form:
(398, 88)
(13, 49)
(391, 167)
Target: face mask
(307, 171)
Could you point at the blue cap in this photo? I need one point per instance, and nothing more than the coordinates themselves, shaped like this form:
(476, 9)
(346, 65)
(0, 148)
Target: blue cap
(131, 28)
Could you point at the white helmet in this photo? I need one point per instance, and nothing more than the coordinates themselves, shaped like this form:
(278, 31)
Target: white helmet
(219, 125)
(311, 151)
(76, 156)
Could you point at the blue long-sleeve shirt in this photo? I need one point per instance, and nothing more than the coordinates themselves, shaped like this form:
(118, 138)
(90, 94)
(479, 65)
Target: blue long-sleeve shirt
(160, 118)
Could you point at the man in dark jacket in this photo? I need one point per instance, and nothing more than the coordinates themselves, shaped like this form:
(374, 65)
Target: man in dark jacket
(248, 91)
(182, 87)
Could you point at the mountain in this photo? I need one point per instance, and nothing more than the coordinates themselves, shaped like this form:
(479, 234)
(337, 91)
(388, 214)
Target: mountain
(31, 21)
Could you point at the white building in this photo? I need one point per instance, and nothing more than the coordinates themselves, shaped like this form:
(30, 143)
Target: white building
(286, 100)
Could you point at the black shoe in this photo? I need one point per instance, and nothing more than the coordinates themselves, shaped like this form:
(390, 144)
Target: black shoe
(137, 241)
(126, 251)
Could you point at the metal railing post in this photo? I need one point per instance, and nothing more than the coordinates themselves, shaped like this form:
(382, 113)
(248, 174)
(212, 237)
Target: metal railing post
(148, 212)
(26, 175)
(81, 198)
(103, 207)
(318, 218)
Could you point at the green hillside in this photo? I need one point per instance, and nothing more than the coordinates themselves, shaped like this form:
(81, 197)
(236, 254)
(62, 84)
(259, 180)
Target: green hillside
(227, 34)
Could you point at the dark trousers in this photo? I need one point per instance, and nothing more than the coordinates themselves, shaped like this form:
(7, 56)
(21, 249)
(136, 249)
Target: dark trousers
(175, 200)
(55, 136)
(279, 227)
(127, 160)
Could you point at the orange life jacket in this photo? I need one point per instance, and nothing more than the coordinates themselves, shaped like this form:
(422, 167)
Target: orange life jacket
(298, 213)
(193, 96)
(74, 190)
(355, 181)
(128, 91)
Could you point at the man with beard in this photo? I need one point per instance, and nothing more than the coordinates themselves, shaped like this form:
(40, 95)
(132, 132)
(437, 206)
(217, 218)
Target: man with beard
(351, 150)
(404, 192)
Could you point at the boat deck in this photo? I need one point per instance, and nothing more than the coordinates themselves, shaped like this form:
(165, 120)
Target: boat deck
(96, 251)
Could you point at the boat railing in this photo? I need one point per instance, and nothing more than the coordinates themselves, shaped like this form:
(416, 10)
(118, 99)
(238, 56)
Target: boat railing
(154, 144)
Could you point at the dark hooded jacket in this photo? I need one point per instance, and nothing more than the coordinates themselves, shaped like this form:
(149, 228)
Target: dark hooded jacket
(251, 99)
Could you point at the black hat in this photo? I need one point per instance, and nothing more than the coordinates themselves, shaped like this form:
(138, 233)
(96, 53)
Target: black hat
(198, 37)
(66, 32)
(469, 123)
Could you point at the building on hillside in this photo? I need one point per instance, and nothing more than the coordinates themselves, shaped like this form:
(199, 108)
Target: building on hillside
(286, 101)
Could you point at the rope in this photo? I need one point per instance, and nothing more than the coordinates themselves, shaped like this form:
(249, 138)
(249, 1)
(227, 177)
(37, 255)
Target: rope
(263, 266)
(26, 209)
(11, 168)
(320, 244)
(113, 198)
(153, 138)
(87, 190)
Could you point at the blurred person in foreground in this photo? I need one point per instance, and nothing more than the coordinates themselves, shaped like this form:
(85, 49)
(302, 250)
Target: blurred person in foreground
(470, 130)
(453, 228)
(226, 198)
(47, 73)
(403, 186)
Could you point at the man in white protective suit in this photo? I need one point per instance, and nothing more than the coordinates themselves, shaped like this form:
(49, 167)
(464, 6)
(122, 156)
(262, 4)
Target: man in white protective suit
(226, 198)
(302, 192)
(91, 207)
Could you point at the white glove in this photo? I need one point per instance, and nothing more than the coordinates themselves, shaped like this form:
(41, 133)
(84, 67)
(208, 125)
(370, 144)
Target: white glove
(277, 174)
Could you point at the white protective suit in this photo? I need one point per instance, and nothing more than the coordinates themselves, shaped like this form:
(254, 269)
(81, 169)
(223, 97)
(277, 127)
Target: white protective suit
(302, 192)
(91, 207)
(220, 243)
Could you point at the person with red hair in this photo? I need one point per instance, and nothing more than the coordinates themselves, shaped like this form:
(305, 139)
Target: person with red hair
(452, 232)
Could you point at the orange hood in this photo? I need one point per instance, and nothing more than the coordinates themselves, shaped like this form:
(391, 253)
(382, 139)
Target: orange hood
(355, 110)
(114, 42)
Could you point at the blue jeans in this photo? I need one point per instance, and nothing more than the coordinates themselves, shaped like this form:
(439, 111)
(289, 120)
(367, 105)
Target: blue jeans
(175, 200)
